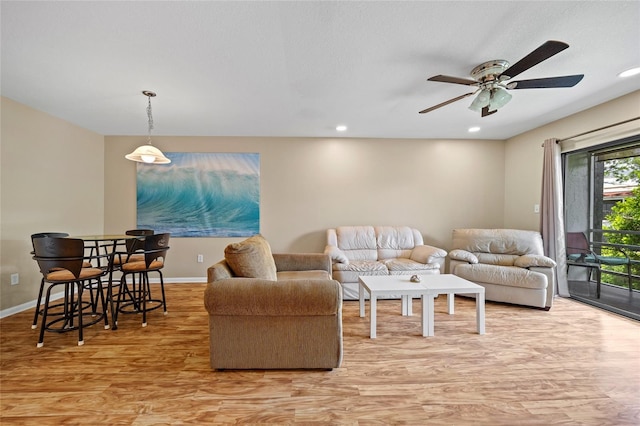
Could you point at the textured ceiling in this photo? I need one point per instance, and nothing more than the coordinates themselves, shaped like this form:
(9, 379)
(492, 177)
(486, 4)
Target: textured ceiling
(300, 68)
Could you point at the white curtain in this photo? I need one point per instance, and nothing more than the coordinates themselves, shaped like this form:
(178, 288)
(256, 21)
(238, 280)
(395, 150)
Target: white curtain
(552, 214)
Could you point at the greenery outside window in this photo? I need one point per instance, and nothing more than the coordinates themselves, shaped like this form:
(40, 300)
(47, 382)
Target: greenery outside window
(602, 199)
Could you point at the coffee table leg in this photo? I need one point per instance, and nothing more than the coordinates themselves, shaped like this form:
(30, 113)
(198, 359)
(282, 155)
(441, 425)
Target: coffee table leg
(407, 308)
(361, 294)
(450, 302)
(372, 308)
(480, 312)
(427, 314)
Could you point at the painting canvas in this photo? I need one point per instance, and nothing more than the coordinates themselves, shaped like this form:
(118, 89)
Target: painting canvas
(200, 195)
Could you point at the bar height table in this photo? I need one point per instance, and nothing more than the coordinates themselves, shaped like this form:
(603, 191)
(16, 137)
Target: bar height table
(98, 241)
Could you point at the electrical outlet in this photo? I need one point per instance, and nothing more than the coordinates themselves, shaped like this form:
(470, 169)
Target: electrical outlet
(536, 208)
(15, 279)
(200, 258)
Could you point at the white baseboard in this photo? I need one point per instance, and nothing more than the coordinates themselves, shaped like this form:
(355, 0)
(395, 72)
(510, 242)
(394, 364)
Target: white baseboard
(185, 280)
(32, 304)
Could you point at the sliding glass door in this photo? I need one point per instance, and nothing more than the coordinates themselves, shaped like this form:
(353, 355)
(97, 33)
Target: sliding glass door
(602, 202)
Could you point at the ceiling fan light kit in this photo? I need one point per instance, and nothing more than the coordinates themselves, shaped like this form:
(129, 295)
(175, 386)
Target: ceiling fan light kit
(499, 98)
(492, 79)
(481, 101)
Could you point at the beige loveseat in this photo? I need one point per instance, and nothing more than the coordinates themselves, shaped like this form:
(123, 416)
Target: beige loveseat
(509, 263)
(282, 311)
(379, 250)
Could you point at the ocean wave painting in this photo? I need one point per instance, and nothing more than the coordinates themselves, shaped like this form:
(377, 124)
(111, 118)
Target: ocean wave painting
(200, 195)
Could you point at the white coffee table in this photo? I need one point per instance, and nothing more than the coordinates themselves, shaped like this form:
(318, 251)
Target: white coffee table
(429, 287)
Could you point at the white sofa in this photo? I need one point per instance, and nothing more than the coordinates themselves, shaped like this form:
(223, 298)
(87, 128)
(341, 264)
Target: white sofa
(379, 250)
(509, 263)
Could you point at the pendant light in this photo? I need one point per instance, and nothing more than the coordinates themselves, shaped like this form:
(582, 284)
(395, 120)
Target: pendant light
(148, 153)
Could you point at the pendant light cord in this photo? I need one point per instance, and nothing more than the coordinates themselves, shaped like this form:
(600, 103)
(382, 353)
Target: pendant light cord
(150, 116)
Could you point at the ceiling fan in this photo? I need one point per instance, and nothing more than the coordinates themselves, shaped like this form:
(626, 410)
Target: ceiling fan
(492, 80)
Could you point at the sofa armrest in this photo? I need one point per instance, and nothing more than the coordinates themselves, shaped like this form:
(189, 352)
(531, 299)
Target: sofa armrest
(427, 254)
(551, 282)
(463, 256)
(302, 262)
(219, 271)
(283, 261)
(533, 260)
(253, 296)
(453, 264)
(336, 254)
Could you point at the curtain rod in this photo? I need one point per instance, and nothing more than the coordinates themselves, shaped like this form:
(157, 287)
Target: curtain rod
(596, 130)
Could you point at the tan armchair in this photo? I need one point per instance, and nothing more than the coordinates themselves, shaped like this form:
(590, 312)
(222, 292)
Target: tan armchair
(292, 322)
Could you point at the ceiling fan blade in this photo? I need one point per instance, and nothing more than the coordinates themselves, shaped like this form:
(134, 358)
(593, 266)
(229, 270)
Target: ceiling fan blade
(543, 83)
(455, 80)
(450, 101)
(547, 50)
(485, 111)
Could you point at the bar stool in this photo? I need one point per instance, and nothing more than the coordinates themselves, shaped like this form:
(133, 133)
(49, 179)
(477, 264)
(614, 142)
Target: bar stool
(136, 297)
(134, 247)
(85, 264)
(60, 261)
(39, 310)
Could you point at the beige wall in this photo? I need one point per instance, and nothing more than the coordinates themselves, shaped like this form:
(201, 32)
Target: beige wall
(524, 153)
(51, 179)
(58, 177)
(309, 185)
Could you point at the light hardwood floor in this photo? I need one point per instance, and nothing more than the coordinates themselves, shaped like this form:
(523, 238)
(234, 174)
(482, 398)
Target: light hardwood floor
(573, 365)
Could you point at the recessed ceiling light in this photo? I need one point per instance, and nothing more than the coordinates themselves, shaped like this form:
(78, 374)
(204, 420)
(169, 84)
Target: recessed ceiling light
(629, 73)
(341, 128)
(474, 129)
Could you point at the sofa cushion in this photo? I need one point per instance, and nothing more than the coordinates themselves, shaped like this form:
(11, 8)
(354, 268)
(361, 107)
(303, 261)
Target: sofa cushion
(496, 259)
(498, 241)
(351, 277)
(362, 266)
(356, 237)
(408, 265)
(530, 260)
(357, 242)
(251, 258)
(395, 241)
(303, 275)
(511, 276)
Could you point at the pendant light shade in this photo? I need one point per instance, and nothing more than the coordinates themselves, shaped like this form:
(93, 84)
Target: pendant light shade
(148, 153)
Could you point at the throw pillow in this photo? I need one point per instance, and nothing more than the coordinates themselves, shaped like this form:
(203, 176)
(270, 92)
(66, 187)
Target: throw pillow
(251, 258)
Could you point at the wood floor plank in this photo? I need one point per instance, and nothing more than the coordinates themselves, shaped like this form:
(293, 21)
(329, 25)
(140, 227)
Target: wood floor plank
(572, 365)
